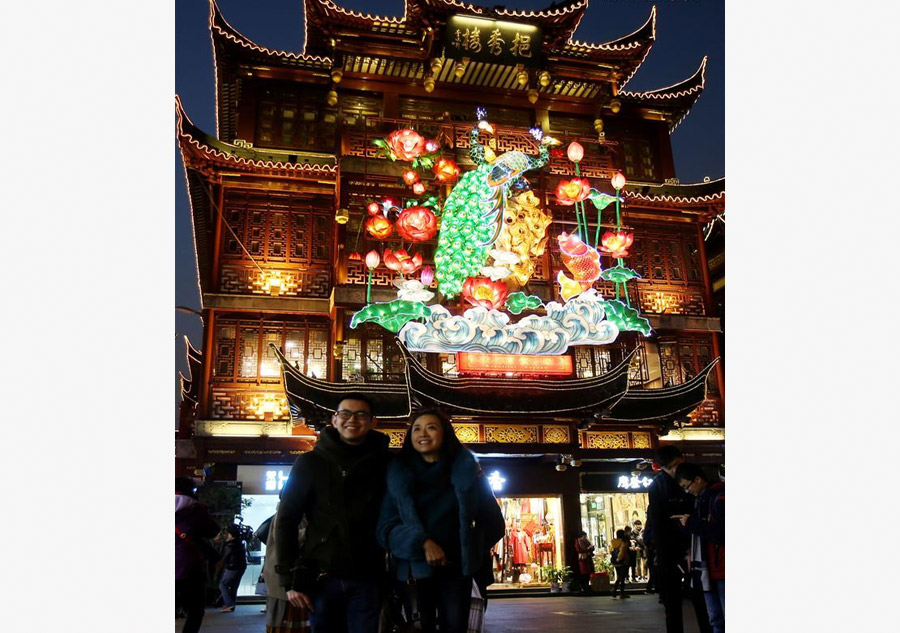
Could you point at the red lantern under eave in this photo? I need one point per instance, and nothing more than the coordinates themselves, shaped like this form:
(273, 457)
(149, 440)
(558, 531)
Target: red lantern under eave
(417, 224)
(379, 227)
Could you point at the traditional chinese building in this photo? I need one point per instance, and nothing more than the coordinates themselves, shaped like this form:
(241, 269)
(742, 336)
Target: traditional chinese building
(279, 197)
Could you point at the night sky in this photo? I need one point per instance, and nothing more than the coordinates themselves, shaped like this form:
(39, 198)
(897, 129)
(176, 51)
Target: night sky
(686, 30)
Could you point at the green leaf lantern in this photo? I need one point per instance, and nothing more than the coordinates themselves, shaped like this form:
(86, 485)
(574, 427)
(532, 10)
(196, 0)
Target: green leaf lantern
(392, 315)
(626, 318)
(619, 274)
(518, 302)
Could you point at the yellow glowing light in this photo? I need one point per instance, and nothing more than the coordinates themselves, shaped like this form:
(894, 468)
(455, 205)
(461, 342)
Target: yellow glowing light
(275, 282)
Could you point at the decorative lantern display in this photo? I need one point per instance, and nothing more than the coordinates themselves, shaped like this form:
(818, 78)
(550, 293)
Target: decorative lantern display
(373, 208)
(416, 224)
(618, 181)
(410, 176)
(418, 188)
(616, 244)
(571, 191)
(355, 256)
(427, 276)
(481, 291)
(379, 227)
(446, 170)
(400, 261)
(406, 144)
(342, 216)
(575, 152)
(372, 259)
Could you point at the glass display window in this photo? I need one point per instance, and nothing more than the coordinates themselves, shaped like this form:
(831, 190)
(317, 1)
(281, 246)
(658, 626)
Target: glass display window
(602, 513)
(532, 543)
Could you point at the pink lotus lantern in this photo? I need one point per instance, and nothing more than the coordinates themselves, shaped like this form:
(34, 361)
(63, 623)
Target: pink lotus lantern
(427, 276)
(575, 152)
(618, 181)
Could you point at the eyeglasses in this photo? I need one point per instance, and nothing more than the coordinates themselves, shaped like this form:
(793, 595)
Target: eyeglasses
(361, 416)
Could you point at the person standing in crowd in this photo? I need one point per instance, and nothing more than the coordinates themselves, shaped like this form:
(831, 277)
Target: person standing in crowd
(192, 525)
(637, 535)
(585, 550)
(281, 615)
(439, 520)
(707, 528)
(670, 542)
(618, 550)
(338, 574)
(234, 560)
(632, 554)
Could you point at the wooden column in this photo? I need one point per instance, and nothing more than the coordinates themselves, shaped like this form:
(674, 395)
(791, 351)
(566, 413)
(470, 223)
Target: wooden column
(209, 327)
(218, 221)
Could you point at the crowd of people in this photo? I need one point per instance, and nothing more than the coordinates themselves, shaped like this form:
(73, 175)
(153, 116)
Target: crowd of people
(362, 542)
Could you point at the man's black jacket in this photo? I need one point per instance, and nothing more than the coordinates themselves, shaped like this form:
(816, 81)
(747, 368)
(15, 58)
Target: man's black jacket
(338, 487)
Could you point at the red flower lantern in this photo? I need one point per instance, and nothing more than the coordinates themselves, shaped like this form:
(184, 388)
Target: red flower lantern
(406, 144)
(446, 170)
(571, 191)
(481, 291)
(373, 208)
(432, 146)
(616, 244)
(379, 227)
(417, 224)
(401, 262)
(418, 188)
(355, 257)
(410, 176)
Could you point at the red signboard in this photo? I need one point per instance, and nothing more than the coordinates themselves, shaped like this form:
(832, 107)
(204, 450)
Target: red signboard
(476, 363)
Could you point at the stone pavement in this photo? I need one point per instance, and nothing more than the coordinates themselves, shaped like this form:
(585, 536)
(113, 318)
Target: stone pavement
(640, 613)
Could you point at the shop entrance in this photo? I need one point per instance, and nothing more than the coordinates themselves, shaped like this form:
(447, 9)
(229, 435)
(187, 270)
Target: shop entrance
(602, 513)
(533, 542)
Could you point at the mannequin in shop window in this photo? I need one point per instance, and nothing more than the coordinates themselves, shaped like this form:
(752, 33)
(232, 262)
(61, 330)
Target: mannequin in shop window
(520, 544)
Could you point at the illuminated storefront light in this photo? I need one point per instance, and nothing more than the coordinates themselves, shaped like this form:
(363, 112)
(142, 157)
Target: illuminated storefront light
(496, 480)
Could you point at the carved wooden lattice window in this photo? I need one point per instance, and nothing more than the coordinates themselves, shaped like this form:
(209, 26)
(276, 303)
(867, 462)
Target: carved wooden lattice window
(371, 355)
(593, 361)
(249, 358)
(638, 160)
(289, 117)
(683, 356)
(666, 256)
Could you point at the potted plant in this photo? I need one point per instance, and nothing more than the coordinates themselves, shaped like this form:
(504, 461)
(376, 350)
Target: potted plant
(565, 579)
(600, 579)
(560, 578)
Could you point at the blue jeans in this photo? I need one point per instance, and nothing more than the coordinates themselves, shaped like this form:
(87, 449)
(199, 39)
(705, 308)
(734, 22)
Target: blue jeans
(228, 586)
(346, 606)
(715, 605)
(443, 599)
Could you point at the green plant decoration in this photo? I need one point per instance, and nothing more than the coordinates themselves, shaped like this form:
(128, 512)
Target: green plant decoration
(392, 315)
(619, 274)
(518, 302)
(626, 318)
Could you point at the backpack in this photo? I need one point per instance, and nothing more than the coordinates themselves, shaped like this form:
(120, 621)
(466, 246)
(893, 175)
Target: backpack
(614, 556)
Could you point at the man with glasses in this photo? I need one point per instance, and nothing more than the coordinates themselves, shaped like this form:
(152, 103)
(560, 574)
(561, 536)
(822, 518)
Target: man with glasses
(707, 528)
(337, 574)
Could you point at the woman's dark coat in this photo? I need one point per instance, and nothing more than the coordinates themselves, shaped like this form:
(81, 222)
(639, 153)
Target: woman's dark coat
(402, 524)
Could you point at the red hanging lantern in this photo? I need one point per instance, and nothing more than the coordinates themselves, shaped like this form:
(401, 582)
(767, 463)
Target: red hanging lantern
(417, 224)
(406, 144)
(446, 170)
(481, 291)
(379, 227)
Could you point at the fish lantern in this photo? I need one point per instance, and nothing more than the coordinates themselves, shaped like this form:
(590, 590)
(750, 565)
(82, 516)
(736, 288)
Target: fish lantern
(481, 291)
(417, 224)
(406, 144)
(446, 170)
(379, 227)
(401, 262)
(571, 191)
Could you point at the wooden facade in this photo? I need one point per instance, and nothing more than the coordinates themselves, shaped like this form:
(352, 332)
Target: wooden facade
(294, 146)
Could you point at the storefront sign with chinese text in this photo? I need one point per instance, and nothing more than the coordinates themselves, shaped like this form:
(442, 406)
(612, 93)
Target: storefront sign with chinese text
(493, 41)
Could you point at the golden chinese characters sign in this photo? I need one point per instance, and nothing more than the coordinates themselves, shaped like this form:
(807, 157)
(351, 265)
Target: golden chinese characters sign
(493, 41)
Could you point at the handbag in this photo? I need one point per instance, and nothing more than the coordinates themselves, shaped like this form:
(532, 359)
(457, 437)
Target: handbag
(476, 610)
(261, 586)
(393, 619)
